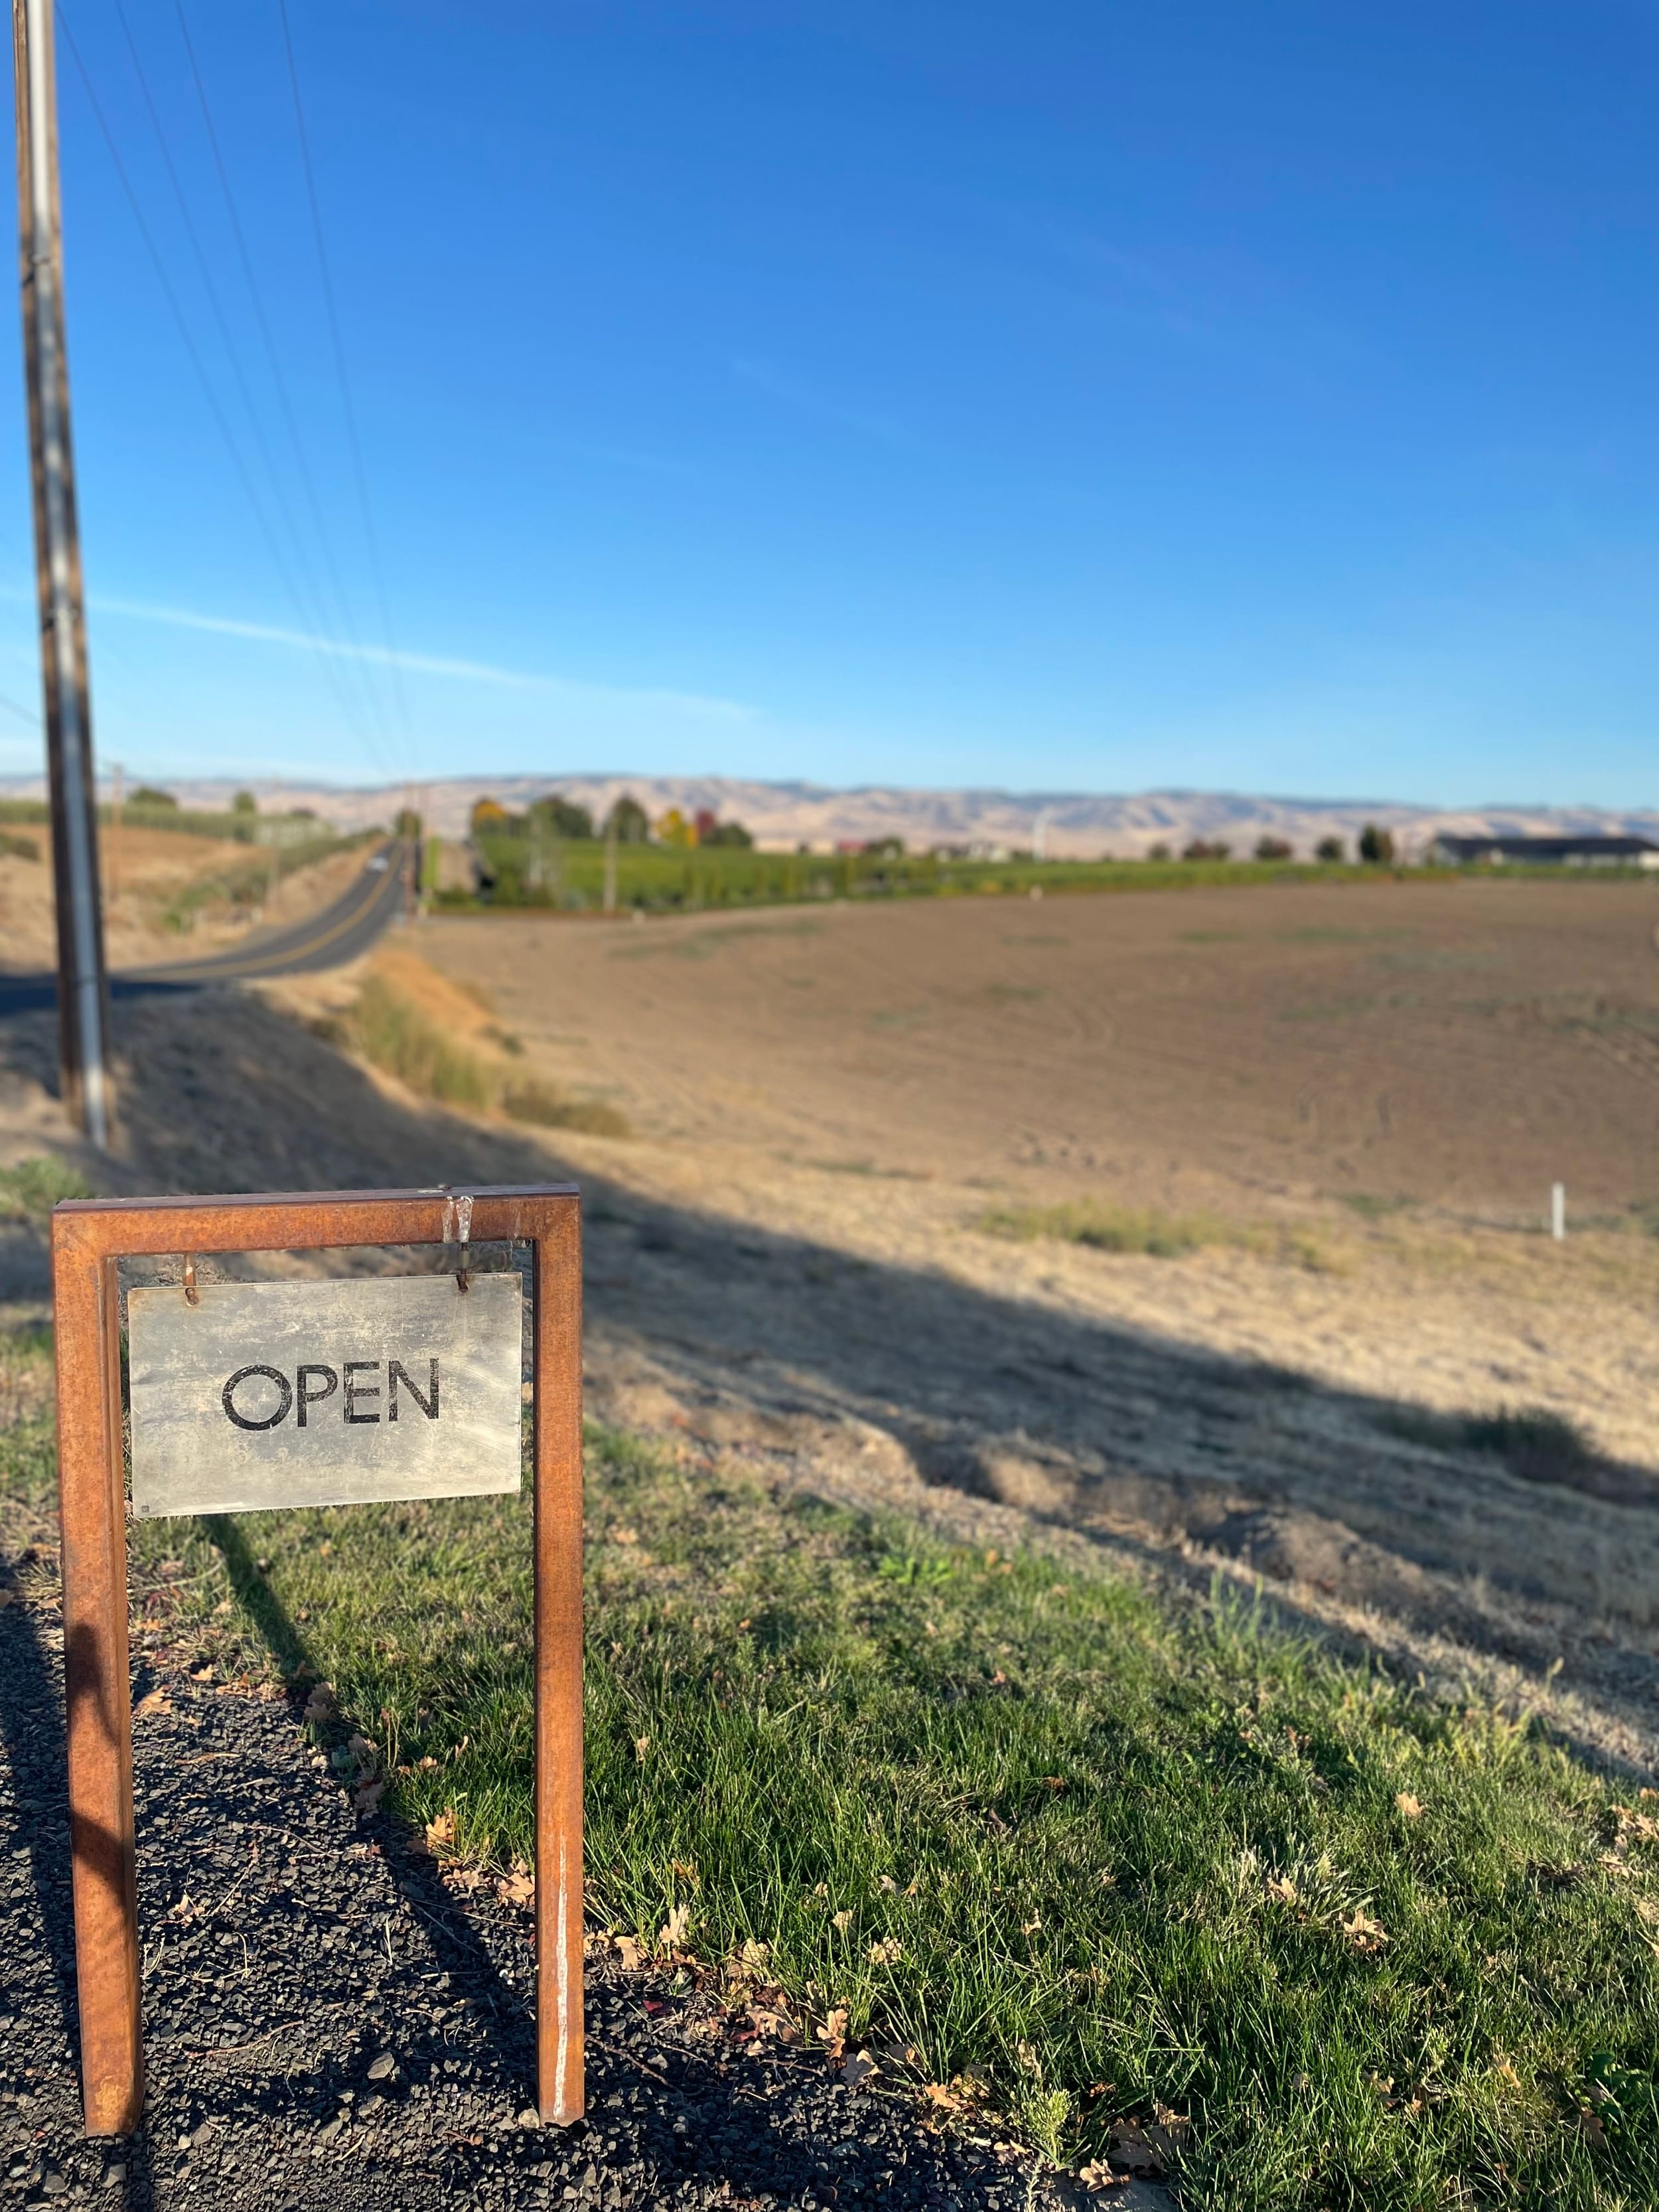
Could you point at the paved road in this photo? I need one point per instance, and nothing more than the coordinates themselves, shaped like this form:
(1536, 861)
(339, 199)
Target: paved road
(340, 933)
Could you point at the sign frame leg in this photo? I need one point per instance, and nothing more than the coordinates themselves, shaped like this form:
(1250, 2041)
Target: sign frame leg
(558, 1716)
(98, 1693)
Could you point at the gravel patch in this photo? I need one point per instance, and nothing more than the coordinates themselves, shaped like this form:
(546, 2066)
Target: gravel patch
(328, 2024)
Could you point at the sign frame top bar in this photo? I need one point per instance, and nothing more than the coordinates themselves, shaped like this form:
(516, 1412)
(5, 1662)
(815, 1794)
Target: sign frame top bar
(280, 1221)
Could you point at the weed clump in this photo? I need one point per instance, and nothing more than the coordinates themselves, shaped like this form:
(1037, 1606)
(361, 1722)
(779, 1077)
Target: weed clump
(549, 1108)
(1532, 1441)
(1107, 1227)
(391, 1032)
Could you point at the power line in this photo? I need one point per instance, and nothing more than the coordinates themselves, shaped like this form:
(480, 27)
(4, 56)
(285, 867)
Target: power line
(325, 660)
(320, 617)
(347, 408)
(273, 359)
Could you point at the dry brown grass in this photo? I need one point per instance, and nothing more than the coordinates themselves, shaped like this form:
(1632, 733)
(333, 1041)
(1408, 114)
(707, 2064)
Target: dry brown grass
(437, 1038)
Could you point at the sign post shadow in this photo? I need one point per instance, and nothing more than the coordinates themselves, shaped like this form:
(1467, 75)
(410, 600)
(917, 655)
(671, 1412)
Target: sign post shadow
(89, 1238)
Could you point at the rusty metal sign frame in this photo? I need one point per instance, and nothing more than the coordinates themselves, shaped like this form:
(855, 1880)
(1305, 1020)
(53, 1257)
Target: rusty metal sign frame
(89, 1238)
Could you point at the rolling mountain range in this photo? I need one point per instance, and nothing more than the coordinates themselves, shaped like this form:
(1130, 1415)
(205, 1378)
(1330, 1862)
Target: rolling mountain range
(1066, 824)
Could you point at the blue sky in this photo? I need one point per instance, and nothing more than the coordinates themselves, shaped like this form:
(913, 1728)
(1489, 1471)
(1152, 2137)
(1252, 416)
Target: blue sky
(1066, 395)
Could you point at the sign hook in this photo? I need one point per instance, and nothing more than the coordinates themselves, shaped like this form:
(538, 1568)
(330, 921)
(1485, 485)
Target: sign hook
(457, 1230)
(192, 1296)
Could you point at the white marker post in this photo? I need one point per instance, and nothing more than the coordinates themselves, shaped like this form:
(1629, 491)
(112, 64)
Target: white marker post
(1558, 1212)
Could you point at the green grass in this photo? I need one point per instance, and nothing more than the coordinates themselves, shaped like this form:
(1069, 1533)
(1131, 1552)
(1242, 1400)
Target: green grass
(1104, 1849)
(1106, 1226)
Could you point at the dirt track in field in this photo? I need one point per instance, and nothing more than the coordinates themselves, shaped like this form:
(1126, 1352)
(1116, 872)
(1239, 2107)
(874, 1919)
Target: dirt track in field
(788, 1262)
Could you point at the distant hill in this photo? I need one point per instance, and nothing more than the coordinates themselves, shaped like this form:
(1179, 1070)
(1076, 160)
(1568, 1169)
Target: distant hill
(1071, 824)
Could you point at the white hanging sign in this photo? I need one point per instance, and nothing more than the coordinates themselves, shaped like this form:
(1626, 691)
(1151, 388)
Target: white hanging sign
(338, 1393)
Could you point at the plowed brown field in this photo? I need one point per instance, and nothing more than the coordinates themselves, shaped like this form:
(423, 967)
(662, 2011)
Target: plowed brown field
(1466, 1043)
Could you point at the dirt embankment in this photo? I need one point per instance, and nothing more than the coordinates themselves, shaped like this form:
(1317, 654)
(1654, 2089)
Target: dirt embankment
(148, 876)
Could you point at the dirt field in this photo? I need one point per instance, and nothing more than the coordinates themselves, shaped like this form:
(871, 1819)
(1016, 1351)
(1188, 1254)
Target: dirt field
(1466, 1044)
(1365, 1091)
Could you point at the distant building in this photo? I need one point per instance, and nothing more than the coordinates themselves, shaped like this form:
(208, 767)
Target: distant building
(1550, 852)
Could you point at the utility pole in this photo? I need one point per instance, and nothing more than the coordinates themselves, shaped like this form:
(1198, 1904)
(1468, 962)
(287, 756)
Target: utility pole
(83, 995)
(116, 804)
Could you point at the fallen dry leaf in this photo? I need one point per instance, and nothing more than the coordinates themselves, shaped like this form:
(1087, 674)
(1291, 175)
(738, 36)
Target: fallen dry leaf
(625, 1535)
(518, 1886)
(367, 1798)
(1636, 1827)
(1591, 2125)
(440, 1834)
(677, 1926)
(884, 1953)
(1098, 2179)
(1410, 1807)
(841, 1920)
(1283, 1888)
(834, 2031)
(859, 2068)
(641, 1745)
(1365, 1933)
(1133, 2147)
(157, 1701)
(7, 1597)
(319, 1706)
(629, 1953)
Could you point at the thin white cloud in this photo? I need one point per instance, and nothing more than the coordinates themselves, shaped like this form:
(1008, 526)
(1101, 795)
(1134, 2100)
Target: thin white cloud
(426, 664)
(791, 390)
